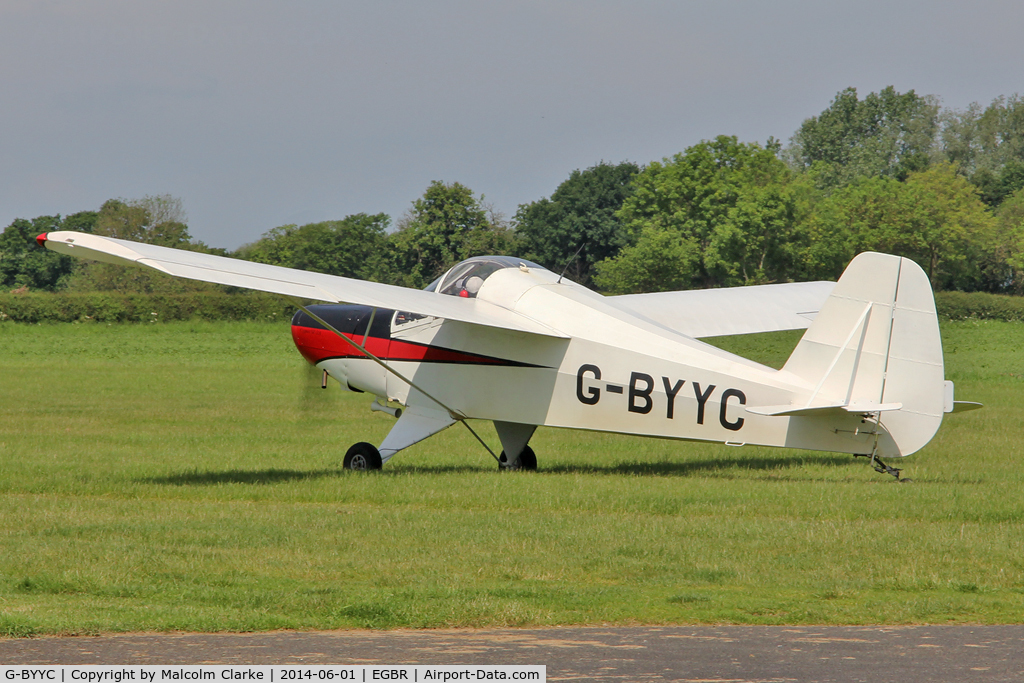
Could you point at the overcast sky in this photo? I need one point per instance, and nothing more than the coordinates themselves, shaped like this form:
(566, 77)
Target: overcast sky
(258, 114)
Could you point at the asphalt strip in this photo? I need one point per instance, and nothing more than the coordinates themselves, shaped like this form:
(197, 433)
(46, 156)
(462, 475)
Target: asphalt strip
(705, 654)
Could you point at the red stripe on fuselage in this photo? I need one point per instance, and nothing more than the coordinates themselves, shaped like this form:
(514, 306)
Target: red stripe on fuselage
(316, 345)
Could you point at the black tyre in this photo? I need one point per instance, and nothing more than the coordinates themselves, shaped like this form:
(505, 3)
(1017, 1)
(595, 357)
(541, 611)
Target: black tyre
(527, 460)
(363, 456)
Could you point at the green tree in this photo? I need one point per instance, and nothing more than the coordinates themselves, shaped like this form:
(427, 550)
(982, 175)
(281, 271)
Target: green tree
(886, 134)
(446, 225)
(352, 247)
(156, 220)
(959, 137)
(23, 263)
(1010, 240)
(764, 237)
(581, 215)
(729, 213)
(662, 260)
(83, 221)
(935, 218)
(987, 145)
(977, 138)
(996, 185)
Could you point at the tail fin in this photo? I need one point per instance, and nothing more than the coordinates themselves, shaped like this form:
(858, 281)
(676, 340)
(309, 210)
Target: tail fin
(875, 347)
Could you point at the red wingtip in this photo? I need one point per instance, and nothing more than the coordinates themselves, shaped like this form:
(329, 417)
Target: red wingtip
(42, 240)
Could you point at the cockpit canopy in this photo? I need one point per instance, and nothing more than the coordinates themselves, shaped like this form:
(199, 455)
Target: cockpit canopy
(466, 278)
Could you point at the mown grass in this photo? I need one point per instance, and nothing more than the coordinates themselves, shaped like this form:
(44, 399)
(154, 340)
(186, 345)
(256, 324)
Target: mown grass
(186, 476)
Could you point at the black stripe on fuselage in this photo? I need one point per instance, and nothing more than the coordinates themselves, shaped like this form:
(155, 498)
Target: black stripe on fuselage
(348, 319)
(352, 319)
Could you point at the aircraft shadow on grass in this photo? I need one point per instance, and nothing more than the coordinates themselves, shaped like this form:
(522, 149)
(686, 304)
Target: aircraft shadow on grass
(650, 469)
(276, 476)
(212, 478)
(708, 465)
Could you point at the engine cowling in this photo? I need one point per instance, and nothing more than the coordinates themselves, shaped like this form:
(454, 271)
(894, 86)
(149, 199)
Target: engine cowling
(342, 361)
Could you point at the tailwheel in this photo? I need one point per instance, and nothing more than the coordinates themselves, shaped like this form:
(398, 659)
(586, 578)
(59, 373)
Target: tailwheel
(527, 461)
(363, 456)
(882, 468)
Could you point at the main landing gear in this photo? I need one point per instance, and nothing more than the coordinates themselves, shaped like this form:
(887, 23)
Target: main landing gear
(363, 456)
(416, 423)
(527, 461)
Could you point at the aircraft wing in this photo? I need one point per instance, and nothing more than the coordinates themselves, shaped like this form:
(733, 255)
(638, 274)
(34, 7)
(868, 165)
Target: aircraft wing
(300, 284)
(733, 310)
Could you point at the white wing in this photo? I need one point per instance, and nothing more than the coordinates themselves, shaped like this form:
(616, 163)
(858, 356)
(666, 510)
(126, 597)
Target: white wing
(735, 310)
(300, 284)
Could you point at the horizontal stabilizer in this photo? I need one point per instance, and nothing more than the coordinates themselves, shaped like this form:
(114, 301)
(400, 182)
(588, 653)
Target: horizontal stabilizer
(811, 411)
(872, 407)
(965, 406)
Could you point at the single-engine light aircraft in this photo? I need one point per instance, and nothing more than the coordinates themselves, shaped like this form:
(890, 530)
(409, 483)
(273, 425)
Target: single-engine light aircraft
(503, 339)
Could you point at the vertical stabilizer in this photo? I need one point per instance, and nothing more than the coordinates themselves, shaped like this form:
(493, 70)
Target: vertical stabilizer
(875, 344)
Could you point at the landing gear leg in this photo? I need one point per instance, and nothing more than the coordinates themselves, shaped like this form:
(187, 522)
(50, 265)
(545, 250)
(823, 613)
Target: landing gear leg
(514, 437)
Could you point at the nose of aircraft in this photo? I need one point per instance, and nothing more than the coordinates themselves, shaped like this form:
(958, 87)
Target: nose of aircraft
(316, 343)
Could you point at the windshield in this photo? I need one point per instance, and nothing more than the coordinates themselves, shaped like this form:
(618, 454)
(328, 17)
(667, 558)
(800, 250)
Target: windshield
(466, 278)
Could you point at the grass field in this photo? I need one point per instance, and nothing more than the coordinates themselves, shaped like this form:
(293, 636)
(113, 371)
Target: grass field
(186, 476)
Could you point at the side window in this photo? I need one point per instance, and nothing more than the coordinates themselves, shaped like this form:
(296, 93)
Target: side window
(405, 317)
(381, 322)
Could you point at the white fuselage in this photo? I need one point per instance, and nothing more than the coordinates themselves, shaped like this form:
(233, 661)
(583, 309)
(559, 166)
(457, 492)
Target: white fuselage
(609, 371)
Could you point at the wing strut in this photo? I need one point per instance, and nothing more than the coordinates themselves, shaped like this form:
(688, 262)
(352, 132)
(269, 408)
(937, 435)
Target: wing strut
(482, 442)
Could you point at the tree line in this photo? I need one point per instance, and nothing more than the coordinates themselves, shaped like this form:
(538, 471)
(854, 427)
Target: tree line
(892, 172)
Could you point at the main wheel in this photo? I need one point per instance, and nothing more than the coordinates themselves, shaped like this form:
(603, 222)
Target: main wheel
(363, 456)
(527, 460)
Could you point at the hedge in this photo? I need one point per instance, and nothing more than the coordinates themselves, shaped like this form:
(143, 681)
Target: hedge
(979, 306)
(36, 307)
(107, 307)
